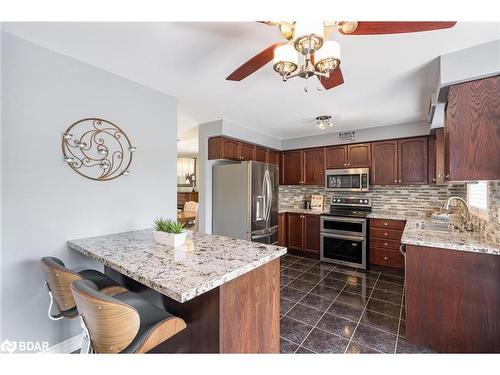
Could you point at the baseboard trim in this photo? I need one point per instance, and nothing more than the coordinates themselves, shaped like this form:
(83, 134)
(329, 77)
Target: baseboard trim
(67, 346)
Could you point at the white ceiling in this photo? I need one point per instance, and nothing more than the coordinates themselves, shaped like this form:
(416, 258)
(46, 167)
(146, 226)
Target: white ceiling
(388, 78)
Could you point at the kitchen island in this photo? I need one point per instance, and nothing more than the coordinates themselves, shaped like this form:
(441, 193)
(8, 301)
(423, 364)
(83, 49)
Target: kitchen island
(226, 290)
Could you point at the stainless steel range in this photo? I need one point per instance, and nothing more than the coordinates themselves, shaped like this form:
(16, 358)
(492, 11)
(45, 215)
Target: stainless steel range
(343, 238)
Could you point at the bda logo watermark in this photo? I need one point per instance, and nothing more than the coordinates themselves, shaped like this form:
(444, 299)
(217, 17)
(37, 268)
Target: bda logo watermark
(10, 347)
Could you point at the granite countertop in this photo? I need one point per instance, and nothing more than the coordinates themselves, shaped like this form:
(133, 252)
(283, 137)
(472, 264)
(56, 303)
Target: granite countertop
(303, 211)
(203, 263)
(457, 240)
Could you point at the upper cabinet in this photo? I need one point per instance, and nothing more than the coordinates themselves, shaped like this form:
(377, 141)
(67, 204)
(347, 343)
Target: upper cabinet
(314, 167)
(348, 156)
(384, 169)
(336, 157)
(472, 131)
(261, 154)
(303, 167)
(291, 167)
(232, 149)
(402, 161)
(412, 161)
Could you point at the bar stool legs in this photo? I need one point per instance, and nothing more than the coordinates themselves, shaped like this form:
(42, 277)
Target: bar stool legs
(86, 343)
(53, 312)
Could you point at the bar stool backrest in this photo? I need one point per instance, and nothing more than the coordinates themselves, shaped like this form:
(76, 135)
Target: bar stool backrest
(112, 324)
(59, 279)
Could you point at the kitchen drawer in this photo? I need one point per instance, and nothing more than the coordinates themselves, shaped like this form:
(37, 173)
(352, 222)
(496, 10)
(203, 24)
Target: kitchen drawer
(386, 258)
(389, 224)
(386, 233)
(385, 244)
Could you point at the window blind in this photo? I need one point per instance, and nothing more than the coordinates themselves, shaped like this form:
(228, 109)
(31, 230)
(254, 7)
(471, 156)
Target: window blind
(477, 195)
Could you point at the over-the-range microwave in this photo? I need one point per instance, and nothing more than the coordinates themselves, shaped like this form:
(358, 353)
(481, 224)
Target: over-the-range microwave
(352, 179)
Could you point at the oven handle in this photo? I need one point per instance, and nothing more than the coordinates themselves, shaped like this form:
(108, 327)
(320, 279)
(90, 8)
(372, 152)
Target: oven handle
(343, 236)
(344, 219)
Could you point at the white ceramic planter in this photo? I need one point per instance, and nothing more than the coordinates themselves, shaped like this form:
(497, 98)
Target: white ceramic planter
(170, 239)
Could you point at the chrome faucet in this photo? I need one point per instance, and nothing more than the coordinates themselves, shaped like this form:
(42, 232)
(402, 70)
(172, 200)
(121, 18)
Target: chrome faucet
(467, 219)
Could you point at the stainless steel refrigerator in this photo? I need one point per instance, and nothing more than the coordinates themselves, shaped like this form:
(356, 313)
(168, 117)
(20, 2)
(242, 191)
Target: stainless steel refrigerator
(245, 201)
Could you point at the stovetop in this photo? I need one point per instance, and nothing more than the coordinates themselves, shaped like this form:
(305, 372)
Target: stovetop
(350, 207)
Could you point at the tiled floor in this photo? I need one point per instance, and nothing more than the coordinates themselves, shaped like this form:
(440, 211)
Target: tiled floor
(335, 309)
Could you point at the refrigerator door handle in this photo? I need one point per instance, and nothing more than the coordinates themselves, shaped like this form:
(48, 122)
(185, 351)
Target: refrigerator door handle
(269, 193)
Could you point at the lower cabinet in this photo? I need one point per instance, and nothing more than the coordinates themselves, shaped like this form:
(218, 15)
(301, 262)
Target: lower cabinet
(302, 232)
(282, 234)
(385, 240)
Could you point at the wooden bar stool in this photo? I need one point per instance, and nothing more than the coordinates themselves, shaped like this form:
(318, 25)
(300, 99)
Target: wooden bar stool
(58, 281)
(125, 323)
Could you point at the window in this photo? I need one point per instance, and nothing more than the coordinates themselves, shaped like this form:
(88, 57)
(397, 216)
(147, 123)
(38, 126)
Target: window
(477, 197)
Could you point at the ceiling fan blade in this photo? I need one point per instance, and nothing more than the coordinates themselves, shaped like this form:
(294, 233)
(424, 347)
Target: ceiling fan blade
(335, 79)
(390, 27)
(254, 64)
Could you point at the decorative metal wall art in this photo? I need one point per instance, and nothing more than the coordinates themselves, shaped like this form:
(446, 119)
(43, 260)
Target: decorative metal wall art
(97, 149)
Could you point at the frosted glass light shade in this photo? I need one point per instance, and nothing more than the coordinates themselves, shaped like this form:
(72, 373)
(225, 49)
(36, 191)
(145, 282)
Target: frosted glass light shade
(308, 36)
(285, 59)
(327, 57)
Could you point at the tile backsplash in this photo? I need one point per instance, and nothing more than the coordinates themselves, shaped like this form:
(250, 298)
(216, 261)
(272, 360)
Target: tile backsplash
(490, 227)
(417, 201)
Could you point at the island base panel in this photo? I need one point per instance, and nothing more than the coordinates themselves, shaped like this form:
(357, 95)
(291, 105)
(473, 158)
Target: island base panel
(453, 300)
(240, 316)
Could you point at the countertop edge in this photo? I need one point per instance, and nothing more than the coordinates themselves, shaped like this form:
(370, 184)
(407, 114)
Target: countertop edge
(192, 293)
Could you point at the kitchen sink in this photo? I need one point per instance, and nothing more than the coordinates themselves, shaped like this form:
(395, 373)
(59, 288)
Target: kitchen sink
(437, 227)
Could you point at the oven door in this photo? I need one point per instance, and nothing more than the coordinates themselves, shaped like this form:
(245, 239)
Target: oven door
(343, 249)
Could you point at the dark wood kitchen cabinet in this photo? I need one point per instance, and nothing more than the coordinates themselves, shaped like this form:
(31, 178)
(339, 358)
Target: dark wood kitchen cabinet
(294, 227)
(273, 157)
(385, 240)
(247, 151)
(303, 167)
(401, 161)
(384, 169)
(303, 233)
(232, 149)
(440, 157)
(282, 229)
(348, 156)
(472, 131)
(452, 300)
(412, 161)
(336, 157)
(291, 167)
(261, 154)
(431, 159)
(313, 167)
(311, 234)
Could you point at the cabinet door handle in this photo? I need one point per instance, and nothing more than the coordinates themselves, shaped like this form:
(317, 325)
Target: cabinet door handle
(447, 176)
(385, 244)
(385, 234)
(345, 164)
(385, 258)
(385, 223)
(396, 181)
(400, 180)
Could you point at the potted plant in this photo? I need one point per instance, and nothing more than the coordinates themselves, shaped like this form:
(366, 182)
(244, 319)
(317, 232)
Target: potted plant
(169, 232)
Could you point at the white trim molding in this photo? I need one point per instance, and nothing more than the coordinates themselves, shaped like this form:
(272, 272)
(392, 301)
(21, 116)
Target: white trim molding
(67, 346)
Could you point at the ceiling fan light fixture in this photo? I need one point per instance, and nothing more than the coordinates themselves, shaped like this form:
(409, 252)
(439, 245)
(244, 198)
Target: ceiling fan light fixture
(308, 36)
(324, 122)
(285, 60)
(327, 58)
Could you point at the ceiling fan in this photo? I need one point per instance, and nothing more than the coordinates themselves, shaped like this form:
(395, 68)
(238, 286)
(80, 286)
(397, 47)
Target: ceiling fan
(321, 56)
